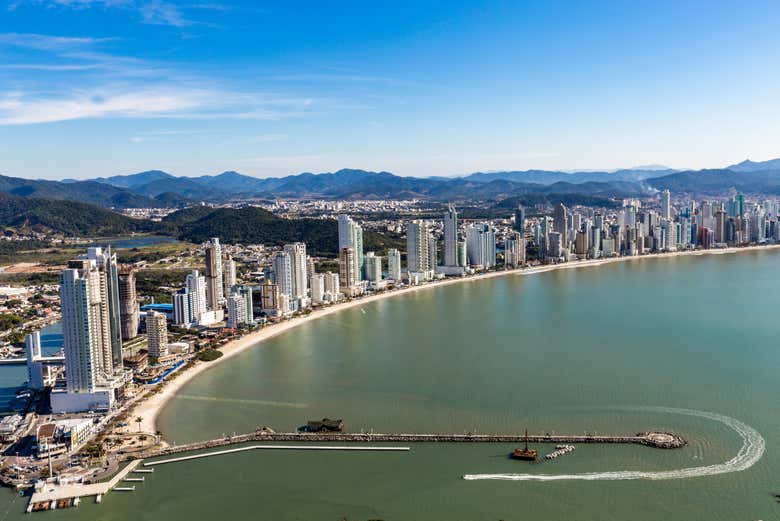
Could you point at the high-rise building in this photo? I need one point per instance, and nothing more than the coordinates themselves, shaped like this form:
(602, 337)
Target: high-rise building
(156, 335)
(283, 273)
(481, 245)
(318, 288)
(215, 294)
(107, 266)
(196, 288)
(182, 308)
(246, 293)
(417, 247)
(271, 299)
(332, 287)
(666, 204)
(520, 220)
(298, 266)
(351, 236)
(128, 304)
(514, 250)
(451, 237)
(554, 245)
(237, 312)
(373, 267)
(230, 276)
(85, 328)
(560, 223)
(394, 264)
(348, 279)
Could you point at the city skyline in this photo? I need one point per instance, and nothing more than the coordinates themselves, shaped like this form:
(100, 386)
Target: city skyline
(119, 87)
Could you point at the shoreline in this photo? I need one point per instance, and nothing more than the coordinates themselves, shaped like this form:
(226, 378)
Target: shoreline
(150, 409)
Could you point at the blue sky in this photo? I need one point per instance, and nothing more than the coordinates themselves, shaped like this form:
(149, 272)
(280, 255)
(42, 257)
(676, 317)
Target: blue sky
(104, 87)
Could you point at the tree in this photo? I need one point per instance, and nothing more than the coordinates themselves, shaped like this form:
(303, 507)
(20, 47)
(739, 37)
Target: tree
(139, 420)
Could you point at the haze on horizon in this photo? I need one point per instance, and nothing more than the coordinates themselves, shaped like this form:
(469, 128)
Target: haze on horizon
(103, 87)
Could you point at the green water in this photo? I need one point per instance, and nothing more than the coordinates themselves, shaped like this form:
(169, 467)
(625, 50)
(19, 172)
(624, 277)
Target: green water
(567, 351)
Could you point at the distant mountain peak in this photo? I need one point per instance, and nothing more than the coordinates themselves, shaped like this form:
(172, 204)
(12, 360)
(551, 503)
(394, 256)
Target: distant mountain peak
(755, 166)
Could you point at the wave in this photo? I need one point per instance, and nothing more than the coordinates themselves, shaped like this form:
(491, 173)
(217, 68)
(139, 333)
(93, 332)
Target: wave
(753, 447)
(268, 403)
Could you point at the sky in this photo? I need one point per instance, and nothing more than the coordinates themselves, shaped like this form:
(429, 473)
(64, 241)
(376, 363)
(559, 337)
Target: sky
(103, 87)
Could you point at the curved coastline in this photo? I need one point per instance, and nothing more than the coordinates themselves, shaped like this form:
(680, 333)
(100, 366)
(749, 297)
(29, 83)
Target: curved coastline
(150, 409)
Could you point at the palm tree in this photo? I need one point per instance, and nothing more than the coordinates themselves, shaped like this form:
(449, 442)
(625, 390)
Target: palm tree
(138, 421)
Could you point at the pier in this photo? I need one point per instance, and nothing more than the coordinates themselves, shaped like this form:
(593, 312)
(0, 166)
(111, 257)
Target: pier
(53, 495)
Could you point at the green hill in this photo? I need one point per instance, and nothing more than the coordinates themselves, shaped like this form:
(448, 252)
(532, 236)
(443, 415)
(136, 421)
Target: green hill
(67, 217)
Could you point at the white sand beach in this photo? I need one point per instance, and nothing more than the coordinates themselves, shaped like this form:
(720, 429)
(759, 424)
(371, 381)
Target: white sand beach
(150, 408)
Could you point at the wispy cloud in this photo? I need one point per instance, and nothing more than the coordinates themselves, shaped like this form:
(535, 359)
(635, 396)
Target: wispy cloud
(45, 42)
(159, 12)
(156, 12)
(170, 102)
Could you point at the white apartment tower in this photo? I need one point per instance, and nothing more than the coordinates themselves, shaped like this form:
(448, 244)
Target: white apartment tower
(156, 335)
(196, 287)
(417, 255)
(298, 267)
(351, 236)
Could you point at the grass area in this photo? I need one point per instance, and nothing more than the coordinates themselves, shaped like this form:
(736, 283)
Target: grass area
(30, 279)
(45, 256)
(152, 254)
(209, 355)
(156, 283)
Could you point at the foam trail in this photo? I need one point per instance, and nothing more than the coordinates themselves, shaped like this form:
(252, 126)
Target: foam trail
(753, 446)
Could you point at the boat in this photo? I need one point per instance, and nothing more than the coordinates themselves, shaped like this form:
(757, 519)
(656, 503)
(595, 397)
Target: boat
(326, 424)
(524, 453)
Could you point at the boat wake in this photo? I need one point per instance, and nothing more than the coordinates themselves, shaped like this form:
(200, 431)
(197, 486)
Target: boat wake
(753, 446)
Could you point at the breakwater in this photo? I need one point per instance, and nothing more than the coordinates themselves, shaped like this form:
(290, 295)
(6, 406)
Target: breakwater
(661, 440)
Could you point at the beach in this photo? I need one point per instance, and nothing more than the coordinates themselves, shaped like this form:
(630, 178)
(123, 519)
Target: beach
(151, 407)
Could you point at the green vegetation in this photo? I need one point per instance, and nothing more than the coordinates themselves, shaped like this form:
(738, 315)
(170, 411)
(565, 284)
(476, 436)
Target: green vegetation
(30, 279)
(151, 253)
(252, 225)
(157, 283)
(9, 320)
(209, 355)
(67, 217)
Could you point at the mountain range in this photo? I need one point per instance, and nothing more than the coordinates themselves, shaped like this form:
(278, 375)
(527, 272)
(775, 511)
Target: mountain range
(155, 188)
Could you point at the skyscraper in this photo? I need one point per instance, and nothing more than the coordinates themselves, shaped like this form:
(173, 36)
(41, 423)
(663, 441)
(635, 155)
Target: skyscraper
(196, 287)
(283, 273)
(182, 308)
(417, 255)
(351, 236)
(666, 204)
(107, 266)
(348, 279)
(514, 250)
(520, 220)
(373, 267)
(237, 312)
(451, 237)
(230, 276)
(156, 335)
(215, 294)
(560, 224)
(481, 245)
(298, 266)
(128, 304)
(85, 328)
(394, 264)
